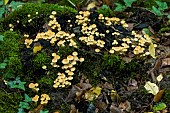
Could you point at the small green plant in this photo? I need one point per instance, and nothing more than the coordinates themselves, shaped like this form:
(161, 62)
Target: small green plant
(161, 7)
(46, 111)
(4, 6)
(25, 104)
(121, 7)
(3, 64)
(159, 106)
(17, 83)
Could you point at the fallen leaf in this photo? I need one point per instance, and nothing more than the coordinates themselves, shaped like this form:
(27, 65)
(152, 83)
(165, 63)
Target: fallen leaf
(114, 109)
(77, 91)
(165, 62)
(130, 26)
(152, 50)
(151, 88)
(158, 96)
(132, 85)
(125, 106)
(37, 47)
(73, 109)
(91, 5)
(159, 78)
(37, 109)
(93, 93)
(5, 1)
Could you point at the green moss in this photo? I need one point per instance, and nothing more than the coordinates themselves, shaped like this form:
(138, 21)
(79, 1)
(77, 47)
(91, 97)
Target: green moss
(47, 80)
(9, 102)
(164, 29)
(41, 59)
(65, 108)
(30, 8)
(166, 97)
(78, 3)
(11, 52)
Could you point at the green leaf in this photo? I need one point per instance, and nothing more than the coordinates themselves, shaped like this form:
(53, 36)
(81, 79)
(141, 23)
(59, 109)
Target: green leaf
(17, 84)
(147, 31)
(159, 106)
(119, 7)
(24, 105)
(168, 16)
(1, 38)
(41, 111)
(105, 7)
(162, 5)
(2, 11)
(1, 2)
(14, 5)
(129, 2)
(3, 65)
(21, 110)
(5, 1)
(156, 11)
(27, 98)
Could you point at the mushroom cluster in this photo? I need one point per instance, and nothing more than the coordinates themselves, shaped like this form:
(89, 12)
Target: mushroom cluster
(68, 66)
(44, 98)
(34, 86)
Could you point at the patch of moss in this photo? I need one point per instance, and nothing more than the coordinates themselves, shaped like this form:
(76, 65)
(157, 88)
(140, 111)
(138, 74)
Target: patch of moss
(78, 3)
(44, 10)
(41, 59)
(9, 102)
(166, 97)
(10, 51)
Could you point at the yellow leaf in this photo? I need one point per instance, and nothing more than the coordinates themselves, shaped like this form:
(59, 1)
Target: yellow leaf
(159, 78)
(91, 5)
(152, 50)
(151, 88)
(5, 2)
(93, 93)
(37, 48)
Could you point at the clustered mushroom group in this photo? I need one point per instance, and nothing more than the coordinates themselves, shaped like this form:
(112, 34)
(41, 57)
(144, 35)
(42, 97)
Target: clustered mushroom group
(91, 36)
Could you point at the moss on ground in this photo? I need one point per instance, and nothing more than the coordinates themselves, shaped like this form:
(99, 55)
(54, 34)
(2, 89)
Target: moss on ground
(11, 52)
(9, 102)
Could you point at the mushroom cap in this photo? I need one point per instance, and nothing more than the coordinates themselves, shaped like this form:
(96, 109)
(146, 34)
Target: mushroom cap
(35, 98)
(70, 57)
(65, 61)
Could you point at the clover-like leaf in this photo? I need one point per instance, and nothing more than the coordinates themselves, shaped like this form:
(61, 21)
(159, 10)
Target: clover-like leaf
(119, 7)
(162, 5)
(27, 98)
(156, 11)
(129, 2)
(151, 88)
(24, 105)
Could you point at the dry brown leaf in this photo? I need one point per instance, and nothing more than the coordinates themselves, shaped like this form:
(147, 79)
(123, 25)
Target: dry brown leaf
(125, 106)
(73, 109)
(132, 85)
(158, 96)
(130, 26)
(165, 62)
(37, 109)
(114, 109)
(77, 91)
